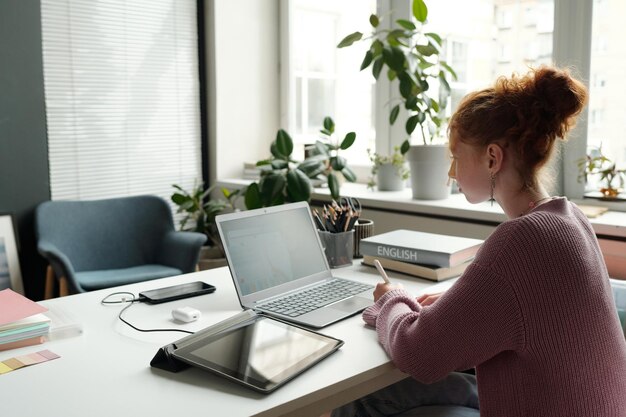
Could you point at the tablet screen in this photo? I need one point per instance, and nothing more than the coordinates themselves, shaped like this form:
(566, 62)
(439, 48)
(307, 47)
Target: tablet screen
(262, 355)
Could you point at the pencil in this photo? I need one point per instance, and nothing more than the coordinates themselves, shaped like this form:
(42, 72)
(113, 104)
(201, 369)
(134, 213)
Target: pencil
(381, 271)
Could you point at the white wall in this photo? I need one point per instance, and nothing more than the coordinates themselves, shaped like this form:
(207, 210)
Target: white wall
(243, 82)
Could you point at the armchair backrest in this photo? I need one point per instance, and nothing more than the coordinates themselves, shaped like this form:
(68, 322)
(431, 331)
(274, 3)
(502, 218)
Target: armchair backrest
(106, 234)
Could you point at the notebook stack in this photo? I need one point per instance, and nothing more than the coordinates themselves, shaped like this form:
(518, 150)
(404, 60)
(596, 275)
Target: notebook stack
(22, 322)
(425, 255)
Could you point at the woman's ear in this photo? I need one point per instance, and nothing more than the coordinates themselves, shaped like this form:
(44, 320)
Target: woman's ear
(495, 156)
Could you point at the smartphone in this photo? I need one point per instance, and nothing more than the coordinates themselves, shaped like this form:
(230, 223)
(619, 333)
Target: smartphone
(176, 292)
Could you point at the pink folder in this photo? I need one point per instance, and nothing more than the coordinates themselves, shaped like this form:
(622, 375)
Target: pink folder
(14, 306)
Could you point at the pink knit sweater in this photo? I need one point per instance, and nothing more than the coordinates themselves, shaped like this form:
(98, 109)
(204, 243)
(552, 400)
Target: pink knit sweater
(533, 313)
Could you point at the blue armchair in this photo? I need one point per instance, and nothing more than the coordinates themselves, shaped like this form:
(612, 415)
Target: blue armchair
(98, 244)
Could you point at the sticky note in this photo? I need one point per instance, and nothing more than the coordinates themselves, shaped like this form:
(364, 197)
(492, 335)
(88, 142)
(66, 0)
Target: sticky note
(13, 363)
(4, 368)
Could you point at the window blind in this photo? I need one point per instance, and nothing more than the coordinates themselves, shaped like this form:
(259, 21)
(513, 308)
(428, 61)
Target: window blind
(122, 97)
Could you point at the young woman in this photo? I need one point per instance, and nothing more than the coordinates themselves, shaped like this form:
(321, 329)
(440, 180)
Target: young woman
(533, 313)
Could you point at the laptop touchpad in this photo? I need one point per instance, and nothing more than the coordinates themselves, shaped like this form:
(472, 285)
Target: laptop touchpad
(352, 304)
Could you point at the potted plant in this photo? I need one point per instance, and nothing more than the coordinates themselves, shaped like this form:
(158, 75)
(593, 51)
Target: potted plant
(610, 177)
(284, 179)
(199, 216)
(412, 57)
(389, 173)
(327, 151)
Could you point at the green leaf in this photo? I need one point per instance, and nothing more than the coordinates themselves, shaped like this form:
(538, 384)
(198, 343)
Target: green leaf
(298, 186)
(394, 114)
(325, 132)
(426, 50)
(411, 123)
(333, 185)
(444, 83)
(406, 85)
(434, 37)
(179, 199)
(367, 60)
(394, 58)
(350, 39)
(407, 24)
(374, 21)
(264, 161)
(337, 162)
(411, 103)
(377, 47)
(404, 148)
(252, 198)
(329, 124)
(271, 186)
(448, 68)
(435, 105)
(312, 167)
(391, 75)
(279, 164)
(377, 67)
(284, 144)
(348, 141)
(322, 148)
(420, 11)
(348, 174)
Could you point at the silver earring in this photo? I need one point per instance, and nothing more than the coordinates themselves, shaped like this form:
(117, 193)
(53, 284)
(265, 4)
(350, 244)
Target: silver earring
(493, 185)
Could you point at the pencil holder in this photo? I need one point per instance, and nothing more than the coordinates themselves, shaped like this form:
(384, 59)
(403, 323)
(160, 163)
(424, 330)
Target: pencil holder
(362, 229)
(338, 247)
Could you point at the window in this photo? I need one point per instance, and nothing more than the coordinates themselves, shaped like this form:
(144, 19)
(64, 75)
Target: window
(488, 38)
(608, 58)
(323, 80)
(122, 96)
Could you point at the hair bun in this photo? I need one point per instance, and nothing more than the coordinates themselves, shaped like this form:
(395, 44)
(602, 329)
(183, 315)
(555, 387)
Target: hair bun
(558, 93)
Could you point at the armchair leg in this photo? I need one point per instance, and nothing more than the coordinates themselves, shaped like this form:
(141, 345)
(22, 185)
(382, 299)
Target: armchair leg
(49, 289)
(63, 287)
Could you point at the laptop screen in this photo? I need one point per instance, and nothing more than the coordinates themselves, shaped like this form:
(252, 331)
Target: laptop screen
(272, 247)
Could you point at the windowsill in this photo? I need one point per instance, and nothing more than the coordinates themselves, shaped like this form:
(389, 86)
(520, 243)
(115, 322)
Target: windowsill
(611, 223)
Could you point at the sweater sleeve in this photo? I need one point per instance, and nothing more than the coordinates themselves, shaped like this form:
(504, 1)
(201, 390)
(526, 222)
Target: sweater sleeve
(472, 322)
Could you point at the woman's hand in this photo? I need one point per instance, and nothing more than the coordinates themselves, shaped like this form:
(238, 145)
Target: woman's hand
(382, 288)
(428, 299)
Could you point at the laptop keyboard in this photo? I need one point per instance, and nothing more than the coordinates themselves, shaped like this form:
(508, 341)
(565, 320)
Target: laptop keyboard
(317, 297)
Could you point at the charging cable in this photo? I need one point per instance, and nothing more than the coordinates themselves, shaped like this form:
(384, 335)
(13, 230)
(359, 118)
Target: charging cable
(130, 298)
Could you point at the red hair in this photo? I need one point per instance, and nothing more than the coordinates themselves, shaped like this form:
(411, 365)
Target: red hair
(526, 114)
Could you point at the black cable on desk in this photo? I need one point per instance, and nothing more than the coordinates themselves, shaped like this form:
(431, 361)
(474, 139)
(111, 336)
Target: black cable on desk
(132, 300)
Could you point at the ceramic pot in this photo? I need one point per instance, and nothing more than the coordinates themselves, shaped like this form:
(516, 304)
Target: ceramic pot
(387, 178)
(429, 165)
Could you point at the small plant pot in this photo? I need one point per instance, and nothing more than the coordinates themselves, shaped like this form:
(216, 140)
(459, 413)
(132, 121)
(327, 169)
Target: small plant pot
(210, 257)
(388, 179)
(429, 166)
(609, 192)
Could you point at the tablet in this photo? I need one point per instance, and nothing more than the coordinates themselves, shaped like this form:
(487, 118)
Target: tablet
(262, 353)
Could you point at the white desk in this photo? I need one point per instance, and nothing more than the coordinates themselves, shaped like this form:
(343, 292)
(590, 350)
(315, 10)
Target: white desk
(106, 370)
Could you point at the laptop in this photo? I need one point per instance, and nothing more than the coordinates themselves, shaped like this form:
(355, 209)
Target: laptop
(277, 263)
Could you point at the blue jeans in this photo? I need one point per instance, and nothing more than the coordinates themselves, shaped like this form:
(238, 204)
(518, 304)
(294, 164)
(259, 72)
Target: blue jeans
(455, 395)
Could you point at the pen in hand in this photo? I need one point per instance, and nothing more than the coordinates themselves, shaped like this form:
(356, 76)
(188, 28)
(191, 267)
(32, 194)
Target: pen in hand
(381, 271)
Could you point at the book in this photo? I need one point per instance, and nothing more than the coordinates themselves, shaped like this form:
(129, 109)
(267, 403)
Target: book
(27, 332)
(22, 343)
(421, 271)
(421, 248)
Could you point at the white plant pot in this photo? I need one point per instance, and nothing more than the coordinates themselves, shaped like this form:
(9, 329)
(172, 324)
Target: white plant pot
(429, 165)
(388, 178)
